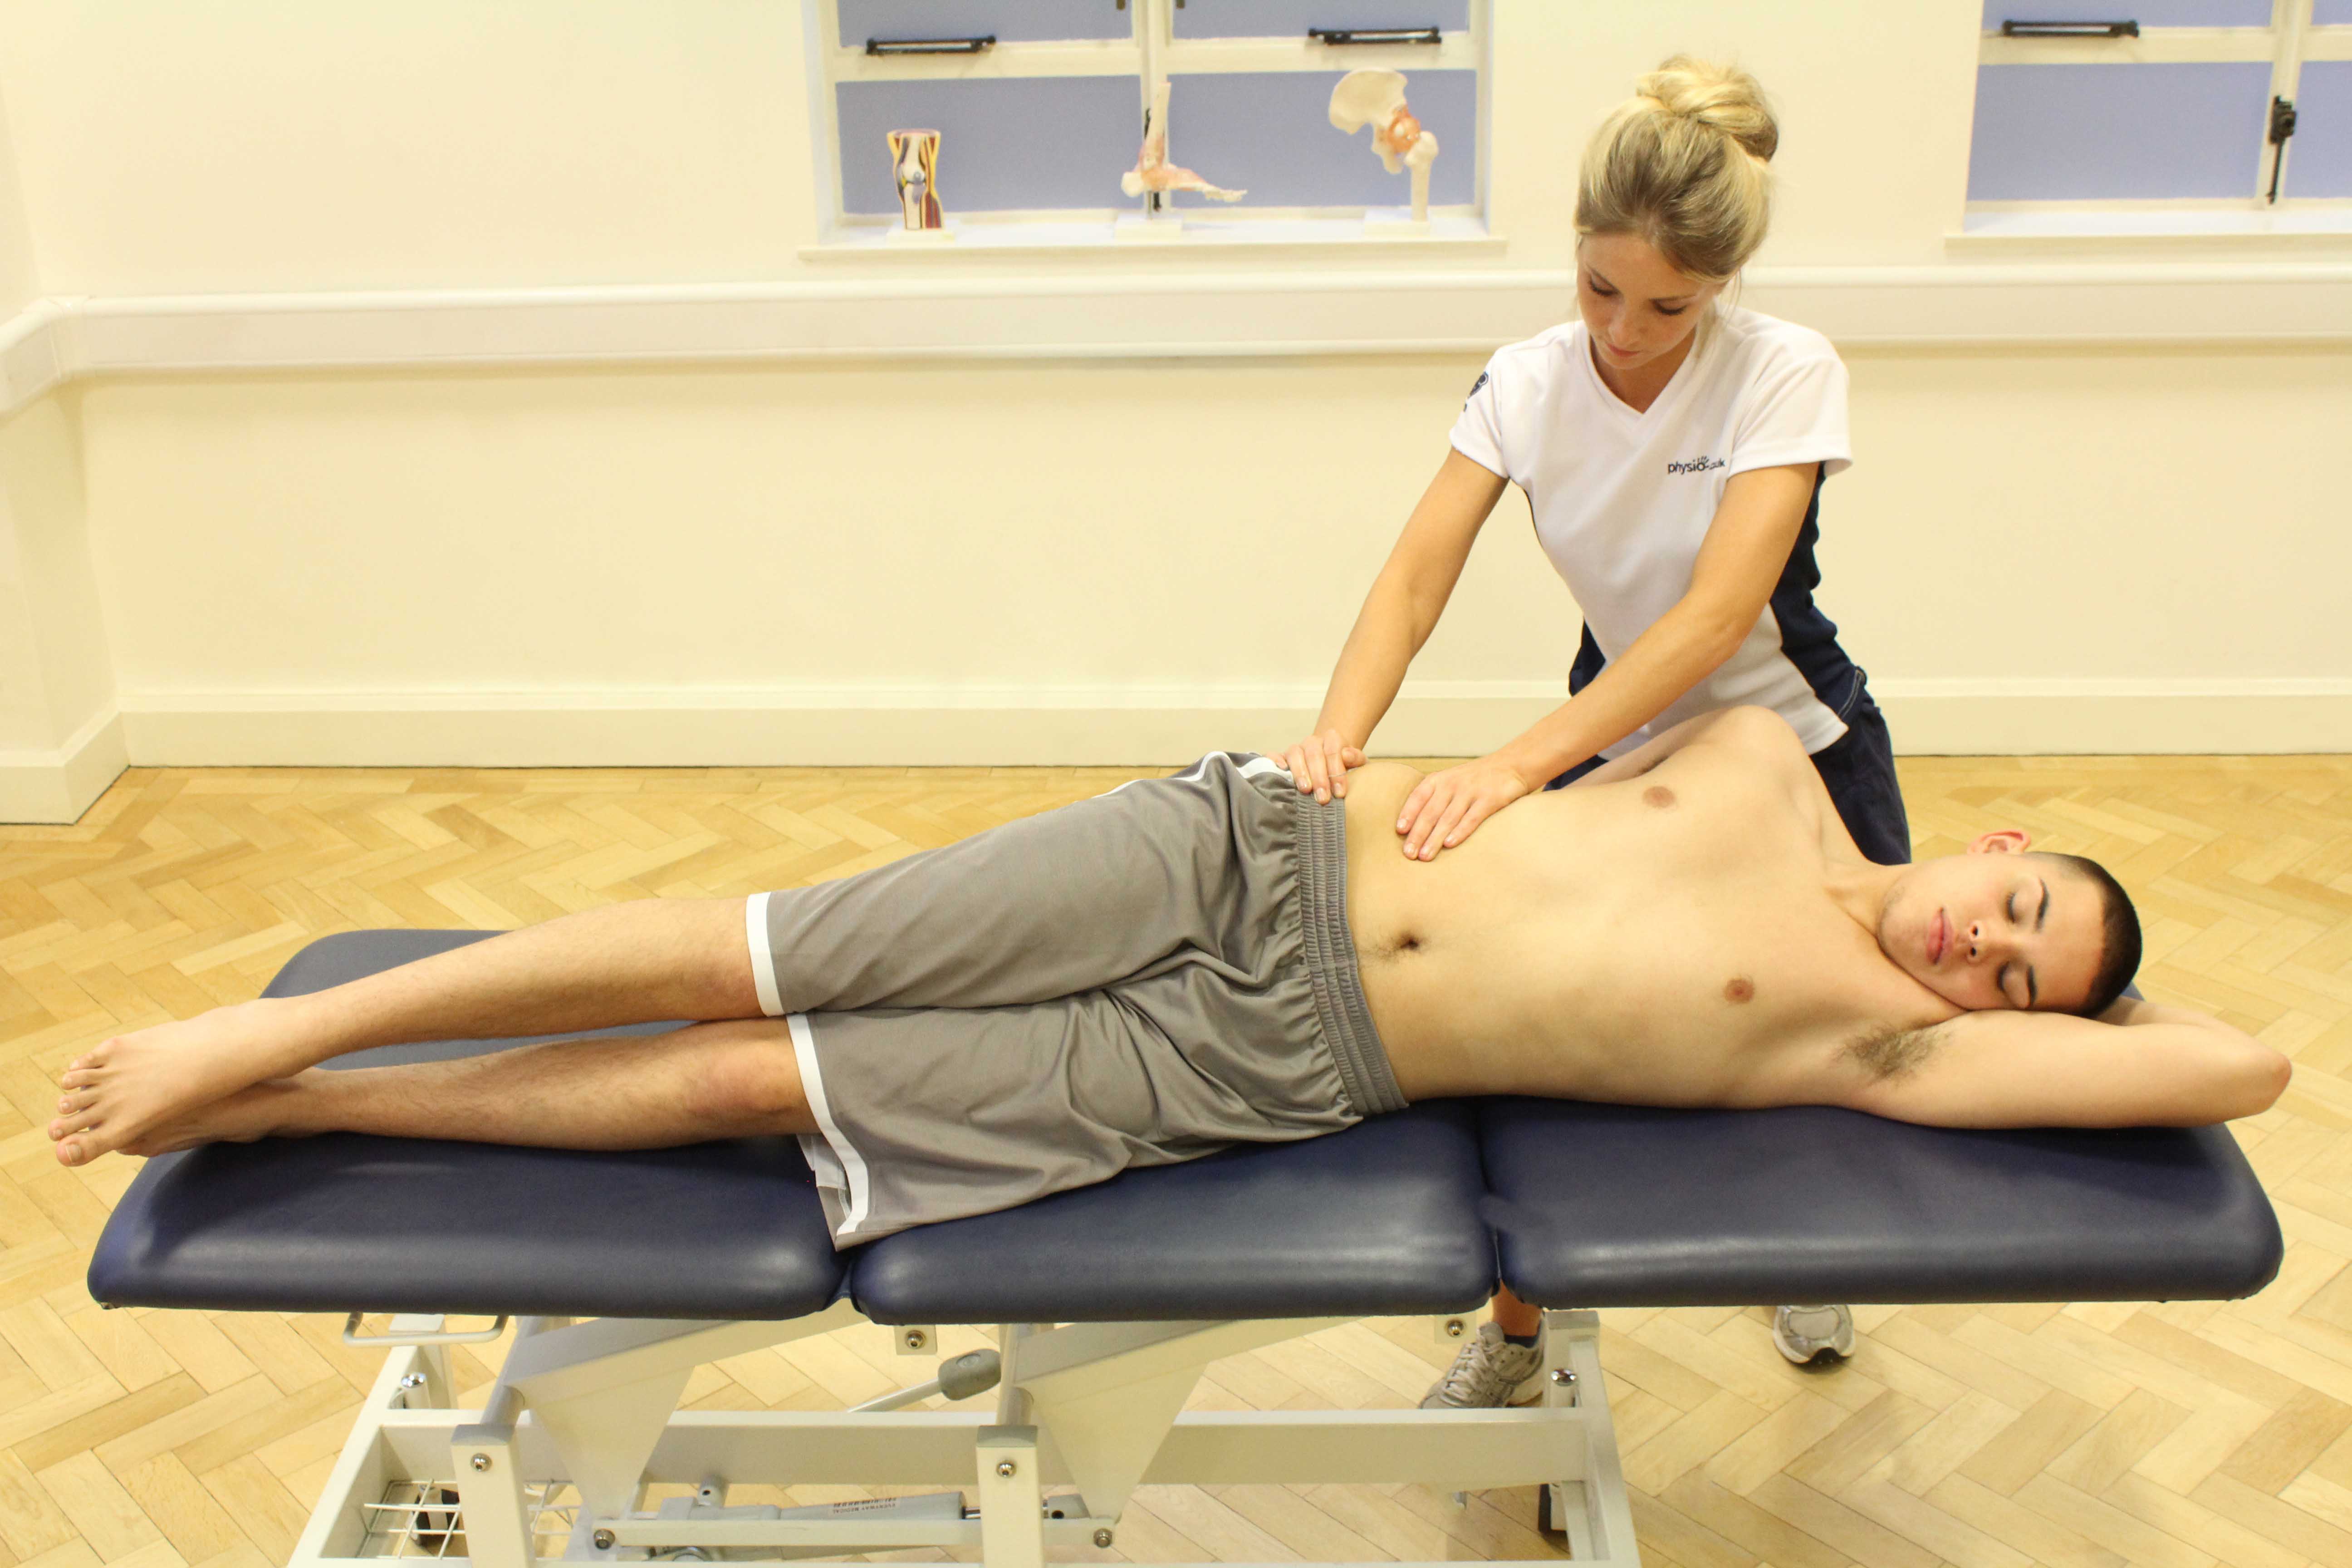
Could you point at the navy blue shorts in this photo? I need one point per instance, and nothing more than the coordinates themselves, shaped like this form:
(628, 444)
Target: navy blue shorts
(1859, 769)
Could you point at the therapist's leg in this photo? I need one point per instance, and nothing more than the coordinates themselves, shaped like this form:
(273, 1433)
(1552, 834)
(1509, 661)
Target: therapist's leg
(627, 963)
(1859, 771)
(732, 1080)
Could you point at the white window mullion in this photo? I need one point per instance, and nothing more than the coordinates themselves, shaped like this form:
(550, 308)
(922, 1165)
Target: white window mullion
(2290, 20)
(822, 29)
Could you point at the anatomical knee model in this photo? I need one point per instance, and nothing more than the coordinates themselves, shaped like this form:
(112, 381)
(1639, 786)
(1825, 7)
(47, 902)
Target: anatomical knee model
(1376, 97)
(915, 166)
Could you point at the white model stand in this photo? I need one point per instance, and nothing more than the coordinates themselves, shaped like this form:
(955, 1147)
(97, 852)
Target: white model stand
(584, 1417)
(919, 236)
(1147, 228)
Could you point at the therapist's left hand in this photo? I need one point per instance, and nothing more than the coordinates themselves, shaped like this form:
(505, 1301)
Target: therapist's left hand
(1447, 807)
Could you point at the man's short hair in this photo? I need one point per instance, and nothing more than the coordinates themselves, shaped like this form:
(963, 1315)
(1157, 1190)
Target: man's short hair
(2119, 945)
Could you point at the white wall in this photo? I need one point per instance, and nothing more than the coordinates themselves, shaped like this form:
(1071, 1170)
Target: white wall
(61, 741)
(19, 277)
(2116, 544)
(689, 547)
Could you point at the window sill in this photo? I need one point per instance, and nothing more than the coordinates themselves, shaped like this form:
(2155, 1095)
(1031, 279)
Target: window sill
(2167, 230)
(1383, 231)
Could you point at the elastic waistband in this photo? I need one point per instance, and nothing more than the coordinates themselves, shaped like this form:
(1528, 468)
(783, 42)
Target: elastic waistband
(1356, 1049)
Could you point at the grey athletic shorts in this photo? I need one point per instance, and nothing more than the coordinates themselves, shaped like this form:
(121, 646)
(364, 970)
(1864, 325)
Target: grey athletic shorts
(1135, 980)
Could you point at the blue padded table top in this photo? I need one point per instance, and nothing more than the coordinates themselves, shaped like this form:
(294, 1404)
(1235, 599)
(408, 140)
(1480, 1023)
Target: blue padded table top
(1599, 1205)
(343, 1222)
(1380, 1219)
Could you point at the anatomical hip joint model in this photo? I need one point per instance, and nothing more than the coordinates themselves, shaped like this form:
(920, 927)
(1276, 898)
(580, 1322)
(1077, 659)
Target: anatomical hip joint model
(1376, 97)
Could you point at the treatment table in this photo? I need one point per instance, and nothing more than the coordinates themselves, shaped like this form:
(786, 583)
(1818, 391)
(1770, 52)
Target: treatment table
(624, 1272)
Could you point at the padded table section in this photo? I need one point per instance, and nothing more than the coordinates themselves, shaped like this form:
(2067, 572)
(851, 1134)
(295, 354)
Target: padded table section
(1599, 1205)
(1382, 1218)
(719, 1230)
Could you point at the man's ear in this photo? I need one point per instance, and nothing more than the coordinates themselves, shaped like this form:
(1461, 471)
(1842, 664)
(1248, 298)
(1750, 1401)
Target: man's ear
(2001, 841)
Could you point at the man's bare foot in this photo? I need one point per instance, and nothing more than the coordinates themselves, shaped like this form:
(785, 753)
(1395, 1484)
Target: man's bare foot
(125, 1089)
(266, 1110)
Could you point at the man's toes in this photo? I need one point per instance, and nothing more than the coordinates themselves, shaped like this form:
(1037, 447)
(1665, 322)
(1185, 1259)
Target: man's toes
(78, 1078)
(71, 1152)
(66, 1126)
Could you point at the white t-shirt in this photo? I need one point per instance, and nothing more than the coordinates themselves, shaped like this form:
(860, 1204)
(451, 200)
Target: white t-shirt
(1622, 499)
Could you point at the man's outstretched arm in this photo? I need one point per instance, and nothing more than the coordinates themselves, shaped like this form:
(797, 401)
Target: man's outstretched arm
(2140, 1064)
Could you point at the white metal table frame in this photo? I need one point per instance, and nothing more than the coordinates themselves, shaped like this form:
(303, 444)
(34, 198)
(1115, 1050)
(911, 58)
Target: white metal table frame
(1097, 1407)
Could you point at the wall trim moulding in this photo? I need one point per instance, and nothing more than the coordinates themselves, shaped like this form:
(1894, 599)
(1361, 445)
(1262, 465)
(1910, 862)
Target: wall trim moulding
(1191, 314)
(58, 787)
(1038, 726)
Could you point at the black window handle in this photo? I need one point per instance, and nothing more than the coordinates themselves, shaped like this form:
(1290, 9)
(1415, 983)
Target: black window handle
(980, 45)
(2070, 29)
(1376, 35)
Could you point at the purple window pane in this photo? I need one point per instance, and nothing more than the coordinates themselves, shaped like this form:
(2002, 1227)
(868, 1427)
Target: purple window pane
(2319, 159)
(2081, 133)
(1270, 132)
(1291, 18)
(2146, 13)
(1005, 142)
(2331, 13)
(1012, 21)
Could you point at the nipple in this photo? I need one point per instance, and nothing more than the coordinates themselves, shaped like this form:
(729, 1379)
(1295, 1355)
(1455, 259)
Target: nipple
(1658, 796)
(1738, 988)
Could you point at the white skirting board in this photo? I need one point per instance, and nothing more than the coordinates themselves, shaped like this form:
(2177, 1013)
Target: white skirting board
(58, 787)
(828, 727)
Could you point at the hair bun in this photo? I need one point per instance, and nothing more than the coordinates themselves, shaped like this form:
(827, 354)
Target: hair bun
(1722, 97)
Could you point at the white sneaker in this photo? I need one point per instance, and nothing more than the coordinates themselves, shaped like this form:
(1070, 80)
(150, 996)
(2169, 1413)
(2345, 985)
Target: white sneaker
(1810, 1334)
(1489, 1372)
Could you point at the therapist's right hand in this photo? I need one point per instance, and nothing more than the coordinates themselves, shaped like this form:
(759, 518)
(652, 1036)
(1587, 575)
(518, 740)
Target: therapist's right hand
(1320, 763)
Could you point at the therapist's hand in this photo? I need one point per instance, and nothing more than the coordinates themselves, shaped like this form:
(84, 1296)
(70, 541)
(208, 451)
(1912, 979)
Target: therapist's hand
(1320, 763)
(1447, 807)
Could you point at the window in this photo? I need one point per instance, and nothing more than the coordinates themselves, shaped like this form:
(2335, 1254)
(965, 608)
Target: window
(1040, 106)
(2167, 105)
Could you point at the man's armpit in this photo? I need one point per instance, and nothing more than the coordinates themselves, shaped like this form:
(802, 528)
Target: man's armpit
(1892, 1053)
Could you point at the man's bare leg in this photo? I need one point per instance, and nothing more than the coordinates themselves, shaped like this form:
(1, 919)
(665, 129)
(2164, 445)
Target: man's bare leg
(733, 1080)
(637, 962)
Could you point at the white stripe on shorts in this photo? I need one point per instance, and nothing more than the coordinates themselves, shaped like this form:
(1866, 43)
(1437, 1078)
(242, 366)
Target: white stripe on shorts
(763, 957)
(853, 1164)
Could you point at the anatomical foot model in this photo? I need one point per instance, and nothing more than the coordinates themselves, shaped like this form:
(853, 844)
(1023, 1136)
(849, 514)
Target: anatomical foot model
(1154, 174)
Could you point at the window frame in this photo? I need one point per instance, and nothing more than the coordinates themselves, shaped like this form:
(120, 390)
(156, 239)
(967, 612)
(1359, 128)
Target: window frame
(1149, 52)
(2288, 42)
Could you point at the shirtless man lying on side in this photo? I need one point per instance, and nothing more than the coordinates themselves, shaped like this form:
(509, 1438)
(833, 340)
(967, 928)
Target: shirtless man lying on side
(1188, 963)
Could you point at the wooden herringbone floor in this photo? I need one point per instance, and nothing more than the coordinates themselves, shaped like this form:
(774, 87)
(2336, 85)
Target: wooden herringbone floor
(2094, 1435)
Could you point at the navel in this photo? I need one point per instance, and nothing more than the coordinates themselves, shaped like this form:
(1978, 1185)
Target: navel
(1738, 988)
(1658, 796)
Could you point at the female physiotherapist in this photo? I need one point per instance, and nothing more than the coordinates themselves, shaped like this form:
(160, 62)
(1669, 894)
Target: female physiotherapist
(1673, 452)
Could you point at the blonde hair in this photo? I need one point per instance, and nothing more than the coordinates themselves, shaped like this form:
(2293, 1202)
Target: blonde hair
(1682, 165)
